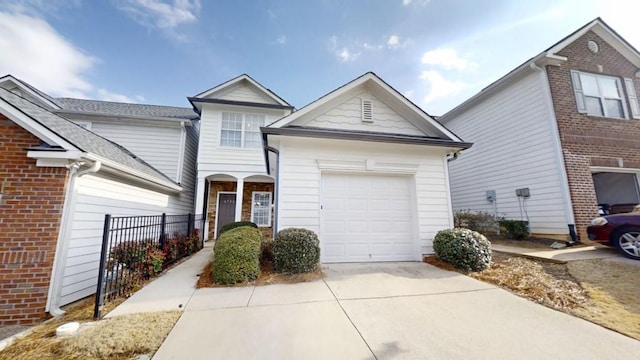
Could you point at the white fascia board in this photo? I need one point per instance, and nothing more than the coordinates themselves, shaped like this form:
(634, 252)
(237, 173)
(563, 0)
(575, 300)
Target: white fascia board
(104, 117)
(44, 154)
(27, 89)
(124, 171)
(34, 127)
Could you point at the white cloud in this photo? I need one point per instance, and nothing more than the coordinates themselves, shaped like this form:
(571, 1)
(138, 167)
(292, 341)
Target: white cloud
(439, 86)
(415, 2)
(282, 40)
(160, 13)
(393, 41)
(343, 53)
(107, 95)
(36, 53)
(43, 58)
(448, 59)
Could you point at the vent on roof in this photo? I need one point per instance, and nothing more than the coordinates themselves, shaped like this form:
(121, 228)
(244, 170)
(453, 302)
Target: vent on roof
(367, 111)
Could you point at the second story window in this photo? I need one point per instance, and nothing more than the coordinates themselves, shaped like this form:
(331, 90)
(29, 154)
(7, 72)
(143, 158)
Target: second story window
(601, 95)
(241, 130)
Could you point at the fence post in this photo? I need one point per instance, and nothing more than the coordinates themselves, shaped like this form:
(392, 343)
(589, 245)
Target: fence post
(163, 231)
(103, 260)
(189, 224)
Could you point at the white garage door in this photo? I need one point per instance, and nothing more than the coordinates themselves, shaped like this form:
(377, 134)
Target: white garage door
(366, 218)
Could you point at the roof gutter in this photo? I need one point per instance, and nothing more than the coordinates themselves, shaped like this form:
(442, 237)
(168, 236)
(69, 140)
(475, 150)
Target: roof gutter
(373, 137)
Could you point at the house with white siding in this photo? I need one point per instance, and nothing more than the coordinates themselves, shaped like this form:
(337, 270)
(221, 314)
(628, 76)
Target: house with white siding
(555, 140)
(363, 167)
(95, 158)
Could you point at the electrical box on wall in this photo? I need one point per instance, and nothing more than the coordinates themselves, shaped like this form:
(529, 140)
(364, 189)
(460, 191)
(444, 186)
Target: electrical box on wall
(523, 192)
(491, 195)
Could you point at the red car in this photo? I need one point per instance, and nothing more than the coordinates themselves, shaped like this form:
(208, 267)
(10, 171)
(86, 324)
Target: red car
(620, 230)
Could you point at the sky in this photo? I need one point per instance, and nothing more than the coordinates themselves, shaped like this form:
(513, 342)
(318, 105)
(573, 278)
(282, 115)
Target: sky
(437, 53)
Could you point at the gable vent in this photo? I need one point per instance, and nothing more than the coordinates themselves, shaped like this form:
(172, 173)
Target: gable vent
(367, 111)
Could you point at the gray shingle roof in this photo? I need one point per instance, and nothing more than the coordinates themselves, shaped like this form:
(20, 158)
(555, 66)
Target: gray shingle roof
(125, 109)
(83, 139)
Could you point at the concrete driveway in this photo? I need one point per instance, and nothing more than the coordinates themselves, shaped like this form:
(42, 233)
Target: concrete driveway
(383, 311)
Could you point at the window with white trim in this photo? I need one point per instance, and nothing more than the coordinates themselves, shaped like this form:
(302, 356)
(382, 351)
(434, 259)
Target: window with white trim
(241, 130)
(261, 208)
(602, 95)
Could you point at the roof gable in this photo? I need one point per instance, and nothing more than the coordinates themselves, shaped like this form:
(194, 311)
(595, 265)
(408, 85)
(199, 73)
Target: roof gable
(59, 131)
(243, 89)
(24, 89)
(329, 111)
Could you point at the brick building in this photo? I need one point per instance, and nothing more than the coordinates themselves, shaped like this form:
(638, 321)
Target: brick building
(556, 140)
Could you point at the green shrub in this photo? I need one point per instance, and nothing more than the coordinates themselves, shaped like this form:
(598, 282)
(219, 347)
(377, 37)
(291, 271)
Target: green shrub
(463, 248)
(483, 222)
(237, 224)
(516, 229)
(296, 251)
(236, 255)
(266, 250)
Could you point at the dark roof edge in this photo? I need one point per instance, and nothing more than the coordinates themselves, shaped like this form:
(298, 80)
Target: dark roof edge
(136, 117)
(362, 136)
(239, 103)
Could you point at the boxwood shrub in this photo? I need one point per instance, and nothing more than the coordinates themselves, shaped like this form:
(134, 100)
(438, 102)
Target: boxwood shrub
(296, 251)
(237, 224)
(463, 248)
(236, 255)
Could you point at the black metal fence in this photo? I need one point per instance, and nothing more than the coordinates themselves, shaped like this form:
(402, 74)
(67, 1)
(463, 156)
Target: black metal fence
(135, 248)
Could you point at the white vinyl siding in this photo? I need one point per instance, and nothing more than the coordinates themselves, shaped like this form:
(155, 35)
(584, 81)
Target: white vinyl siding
(93, 198)
(300, 179)
(599, 95)
(350, 115)
(261, 208)
(513, 147)
(241, 130)
(245, 92)
(157, 145)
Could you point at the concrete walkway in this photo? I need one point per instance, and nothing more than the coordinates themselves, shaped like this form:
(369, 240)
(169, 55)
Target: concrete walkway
(562, 255)
(382, 311)
(170, 291)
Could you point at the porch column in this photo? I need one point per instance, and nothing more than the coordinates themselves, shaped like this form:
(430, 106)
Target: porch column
(239, 191)
(199, 204)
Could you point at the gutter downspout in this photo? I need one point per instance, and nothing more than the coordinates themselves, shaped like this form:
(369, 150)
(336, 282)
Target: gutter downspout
(566, 195)
(60, 258)
(276, 190)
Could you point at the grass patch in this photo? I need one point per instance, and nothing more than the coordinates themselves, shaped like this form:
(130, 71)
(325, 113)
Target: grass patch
(113, 339)
(601, 291)
(267, 276)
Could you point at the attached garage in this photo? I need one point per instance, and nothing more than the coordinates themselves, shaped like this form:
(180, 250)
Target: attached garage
(367, 218)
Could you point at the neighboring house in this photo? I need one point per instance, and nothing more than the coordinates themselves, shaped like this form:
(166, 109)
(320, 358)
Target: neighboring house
(564, 126)
(59, 179)
(232, 182)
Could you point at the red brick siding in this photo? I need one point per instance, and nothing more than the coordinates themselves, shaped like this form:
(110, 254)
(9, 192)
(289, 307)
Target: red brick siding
(248, 189)
(588, 140)
(30, 211)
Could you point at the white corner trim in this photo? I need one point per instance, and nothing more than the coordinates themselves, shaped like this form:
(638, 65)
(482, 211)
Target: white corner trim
(181, 153)
(369, 165)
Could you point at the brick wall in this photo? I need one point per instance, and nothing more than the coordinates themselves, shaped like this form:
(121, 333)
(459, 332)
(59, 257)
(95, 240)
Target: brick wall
(30, 211)
(248, 189)
(589, 140)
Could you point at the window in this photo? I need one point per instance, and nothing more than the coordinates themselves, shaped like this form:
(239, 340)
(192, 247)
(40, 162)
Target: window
(601, 95)
(261, 208)
(241, 130)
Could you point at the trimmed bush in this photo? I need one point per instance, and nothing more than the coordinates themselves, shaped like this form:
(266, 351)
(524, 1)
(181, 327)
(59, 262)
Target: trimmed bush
(236, 255)
(516, 229)
(463, 248)
(237, 224)
(483, 222)
(296, 251)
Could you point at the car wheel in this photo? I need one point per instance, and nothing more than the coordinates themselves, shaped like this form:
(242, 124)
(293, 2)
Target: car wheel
(627, 240)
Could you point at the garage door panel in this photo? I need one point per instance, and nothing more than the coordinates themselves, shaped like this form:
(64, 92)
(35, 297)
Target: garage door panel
(366, 218)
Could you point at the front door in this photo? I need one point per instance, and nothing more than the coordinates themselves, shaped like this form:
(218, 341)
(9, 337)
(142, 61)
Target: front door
(226, 210)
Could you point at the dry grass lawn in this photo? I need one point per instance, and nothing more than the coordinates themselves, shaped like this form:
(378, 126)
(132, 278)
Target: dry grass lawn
(117, 338)
(603, 292)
